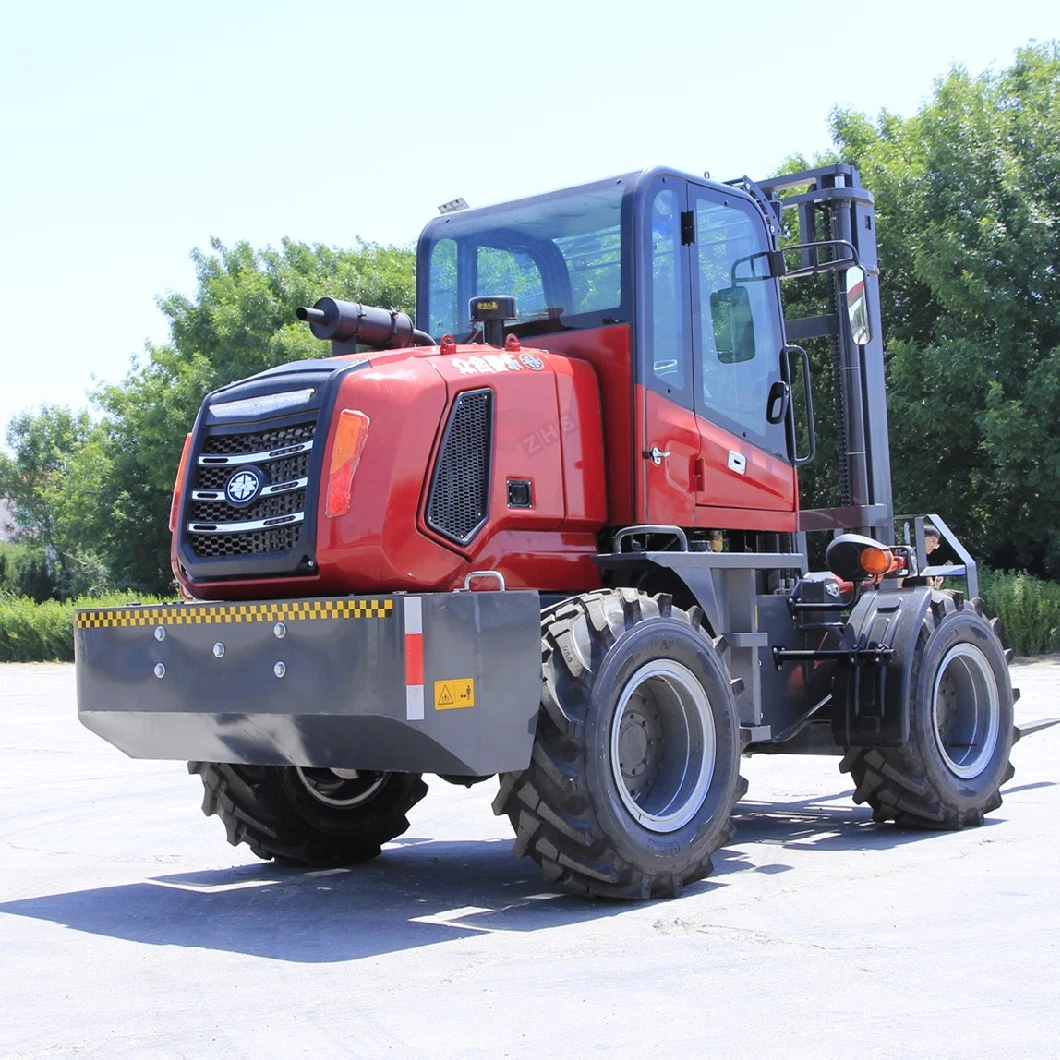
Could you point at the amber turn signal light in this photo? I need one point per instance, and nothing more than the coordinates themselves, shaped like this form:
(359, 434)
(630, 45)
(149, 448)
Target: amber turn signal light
(856, 558)
(182, 469)
(351, 433)
(876, 561)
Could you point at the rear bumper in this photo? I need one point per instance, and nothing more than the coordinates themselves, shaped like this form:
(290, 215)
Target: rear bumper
(432, 683)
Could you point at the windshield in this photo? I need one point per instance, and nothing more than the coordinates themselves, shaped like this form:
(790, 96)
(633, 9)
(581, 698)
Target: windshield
(560, 257)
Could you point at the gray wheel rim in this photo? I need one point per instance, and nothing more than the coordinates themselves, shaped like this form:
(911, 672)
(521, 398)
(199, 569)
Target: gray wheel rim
(965, 711)
(663, 746)
(340, 791)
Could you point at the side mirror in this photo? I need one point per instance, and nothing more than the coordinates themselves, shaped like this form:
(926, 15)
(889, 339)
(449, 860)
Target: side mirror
(734, 326)
(857, 306)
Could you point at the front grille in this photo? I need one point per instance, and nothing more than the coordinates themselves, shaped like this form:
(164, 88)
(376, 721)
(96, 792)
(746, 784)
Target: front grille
(212, 546)
(282, 470)
(214, 513)
(458, 501)
(266, 508)
(289, 468)
(259, 441)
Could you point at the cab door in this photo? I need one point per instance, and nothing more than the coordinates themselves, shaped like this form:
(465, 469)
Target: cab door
(667, 436)
(744, 469)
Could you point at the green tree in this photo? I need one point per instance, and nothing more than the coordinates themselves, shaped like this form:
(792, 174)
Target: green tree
(48, 465)
(32, 479)
(968, 209)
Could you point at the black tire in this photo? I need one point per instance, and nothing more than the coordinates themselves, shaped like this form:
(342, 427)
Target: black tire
(635, 768)
(961, 727)
(308, 817)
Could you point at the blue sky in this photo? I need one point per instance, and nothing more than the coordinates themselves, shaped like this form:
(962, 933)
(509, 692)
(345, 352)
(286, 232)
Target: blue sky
(133, 132)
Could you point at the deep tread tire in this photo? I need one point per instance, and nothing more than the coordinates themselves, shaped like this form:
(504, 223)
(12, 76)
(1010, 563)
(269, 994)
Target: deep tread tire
(914, 786)
(566, 808)
(272, 810)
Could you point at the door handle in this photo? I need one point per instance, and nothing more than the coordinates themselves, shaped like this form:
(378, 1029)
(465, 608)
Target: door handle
(788, 352)
(777, 402)
(655, 454)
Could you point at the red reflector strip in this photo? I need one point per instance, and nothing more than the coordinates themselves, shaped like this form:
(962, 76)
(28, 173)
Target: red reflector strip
(413, 658)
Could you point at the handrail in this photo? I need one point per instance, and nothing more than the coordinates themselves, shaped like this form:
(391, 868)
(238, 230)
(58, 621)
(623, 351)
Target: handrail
(647, 528)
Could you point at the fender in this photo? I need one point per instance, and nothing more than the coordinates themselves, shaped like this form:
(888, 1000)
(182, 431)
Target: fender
(871, 701)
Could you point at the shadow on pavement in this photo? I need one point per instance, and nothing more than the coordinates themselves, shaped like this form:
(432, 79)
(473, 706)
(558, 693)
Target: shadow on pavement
(1029, 787)
(814, 824)
(419, 893)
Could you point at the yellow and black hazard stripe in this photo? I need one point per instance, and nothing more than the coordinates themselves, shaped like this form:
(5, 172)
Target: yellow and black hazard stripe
(210, 614)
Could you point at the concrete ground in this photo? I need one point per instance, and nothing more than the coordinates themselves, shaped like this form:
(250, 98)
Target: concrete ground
(128, 926)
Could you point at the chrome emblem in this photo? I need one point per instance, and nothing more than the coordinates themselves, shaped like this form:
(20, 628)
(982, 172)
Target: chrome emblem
(533, 362)
(243, 487)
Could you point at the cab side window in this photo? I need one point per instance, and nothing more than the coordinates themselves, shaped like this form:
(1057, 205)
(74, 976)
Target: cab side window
(668, 355)
(740, 336)
(442, 309)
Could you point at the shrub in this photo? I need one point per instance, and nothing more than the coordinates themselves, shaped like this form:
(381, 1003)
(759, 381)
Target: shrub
(44, 632)
(1028, 607)
(35, 632)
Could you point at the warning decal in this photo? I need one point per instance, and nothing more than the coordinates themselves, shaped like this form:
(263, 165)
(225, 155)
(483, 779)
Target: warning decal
(455, 693)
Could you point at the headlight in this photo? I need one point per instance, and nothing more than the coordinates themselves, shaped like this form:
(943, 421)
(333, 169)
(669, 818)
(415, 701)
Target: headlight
(261, 406)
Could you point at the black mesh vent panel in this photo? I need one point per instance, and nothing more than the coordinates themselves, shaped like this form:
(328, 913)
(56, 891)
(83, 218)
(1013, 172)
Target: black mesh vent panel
(259, 441)
(280, 539)
(212, 478)
(459, 496)
(289, 468)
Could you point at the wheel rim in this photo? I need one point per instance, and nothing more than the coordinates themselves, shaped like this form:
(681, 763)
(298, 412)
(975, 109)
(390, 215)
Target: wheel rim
(663, 746)
(333, 789)
(965, 710)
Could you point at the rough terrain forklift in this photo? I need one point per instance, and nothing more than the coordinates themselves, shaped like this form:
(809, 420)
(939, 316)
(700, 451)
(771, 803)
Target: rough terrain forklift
(551, 531)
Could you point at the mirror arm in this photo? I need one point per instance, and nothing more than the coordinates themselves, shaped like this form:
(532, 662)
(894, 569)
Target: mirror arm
(835, 265)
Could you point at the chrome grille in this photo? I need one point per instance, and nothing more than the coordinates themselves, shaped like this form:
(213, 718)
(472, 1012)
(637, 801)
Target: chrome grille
(216, 528)
(265, 508)
(284, 469)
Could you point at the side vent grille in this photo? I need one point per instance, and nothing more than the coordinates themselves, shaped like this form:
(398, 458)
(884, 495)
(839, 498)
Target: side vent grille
(458, 501)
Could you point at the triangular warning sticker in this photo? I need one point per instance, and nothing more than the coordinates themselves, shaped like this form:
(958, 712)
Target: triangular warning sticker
(454, 692)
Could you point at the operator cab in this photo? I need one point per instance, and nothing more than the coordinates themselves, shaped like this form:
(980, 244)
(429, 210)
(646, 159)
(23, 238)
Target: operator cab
(666, 284)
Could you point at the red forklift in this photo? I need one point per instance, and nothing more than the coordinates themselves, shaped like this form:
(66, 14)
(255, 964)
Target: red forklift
(551, 532)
